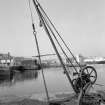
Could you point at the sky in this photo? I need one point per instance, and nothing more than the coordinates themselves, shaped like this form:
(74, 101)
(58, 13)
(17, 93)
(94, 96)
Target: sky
(81, 23)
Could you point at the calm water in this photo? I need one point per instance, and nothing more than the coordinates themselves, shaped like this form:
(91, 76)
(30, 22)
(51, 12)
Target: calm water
(31, 82)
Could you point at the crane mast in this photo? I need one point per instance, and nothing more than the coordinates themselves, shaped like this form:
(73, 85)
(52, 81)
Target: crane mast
(85, 77)
(41, 17)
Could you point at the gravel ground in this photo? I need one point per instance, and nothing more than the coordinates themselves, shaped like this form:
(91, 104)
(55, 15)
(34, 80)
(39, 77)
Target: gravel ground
(63, 99)
(14, 100)
(24, 102)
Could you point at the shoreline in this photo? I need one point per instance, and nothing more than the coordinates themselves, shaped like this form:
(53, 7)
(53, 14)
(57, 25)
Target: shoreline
(67, 98)
(31, 100)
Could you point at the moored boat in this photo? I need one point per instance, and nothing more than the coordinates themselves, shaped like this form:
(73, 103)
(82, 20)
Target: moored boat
(5, 71)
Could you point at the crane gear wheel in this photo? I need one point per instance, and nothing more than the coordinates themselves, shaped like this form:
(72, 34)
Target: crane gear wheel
(88, 75)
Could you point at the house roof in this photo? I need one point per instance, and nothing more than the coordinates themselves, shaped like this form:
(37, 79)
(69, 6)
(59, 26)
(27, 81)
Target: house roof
(5, 56)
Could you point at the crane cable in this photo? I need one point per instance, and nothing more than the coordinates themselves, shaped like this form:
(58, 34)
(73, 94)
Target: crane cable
(34, 32)
(59, 34)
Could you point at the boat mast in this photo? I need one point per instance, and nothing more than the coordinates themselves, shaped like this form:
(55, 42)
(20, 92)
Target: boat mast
(41, 17)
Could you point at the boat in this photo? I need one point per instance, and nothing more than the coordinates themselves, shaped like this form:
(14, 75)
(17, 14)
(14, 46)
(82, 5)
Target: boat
(4, 67)
(23, 68)
(5, 72)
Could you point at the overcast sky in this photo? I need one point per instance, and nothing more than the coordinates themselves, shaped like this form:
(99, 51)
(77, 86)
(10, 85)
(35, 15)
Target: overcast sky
(80, 22)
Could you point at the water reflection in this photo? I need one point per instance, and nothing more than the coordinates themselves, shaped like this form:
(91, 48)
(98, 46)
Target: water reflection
(13, 77)
(27, 75)
(31, 82)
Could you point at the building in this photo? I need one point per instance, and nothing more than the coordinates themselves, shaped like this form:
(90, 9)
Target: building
(6, 59)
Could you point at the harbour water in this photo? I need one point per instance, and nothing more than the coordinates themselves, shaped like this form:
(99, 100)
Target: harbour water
(31, 82)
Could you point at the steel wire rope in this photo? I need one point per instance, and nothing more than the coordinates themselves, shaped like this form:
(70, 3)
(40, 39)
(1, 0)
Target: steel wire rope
(38, 50)
(59, 35)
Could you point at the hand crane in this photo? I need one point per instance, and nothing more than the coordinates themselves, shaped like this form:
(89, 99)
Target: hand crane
(86, 75)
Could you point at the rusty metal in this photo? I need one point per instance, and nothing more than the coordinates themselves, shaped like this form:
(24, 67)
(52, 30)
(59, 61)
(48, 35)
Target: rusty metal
(88, 75)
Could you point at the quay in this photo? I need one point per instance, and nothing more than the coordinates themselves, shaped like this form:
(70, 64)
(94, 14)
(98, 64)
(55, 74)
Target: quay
(60, 99)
